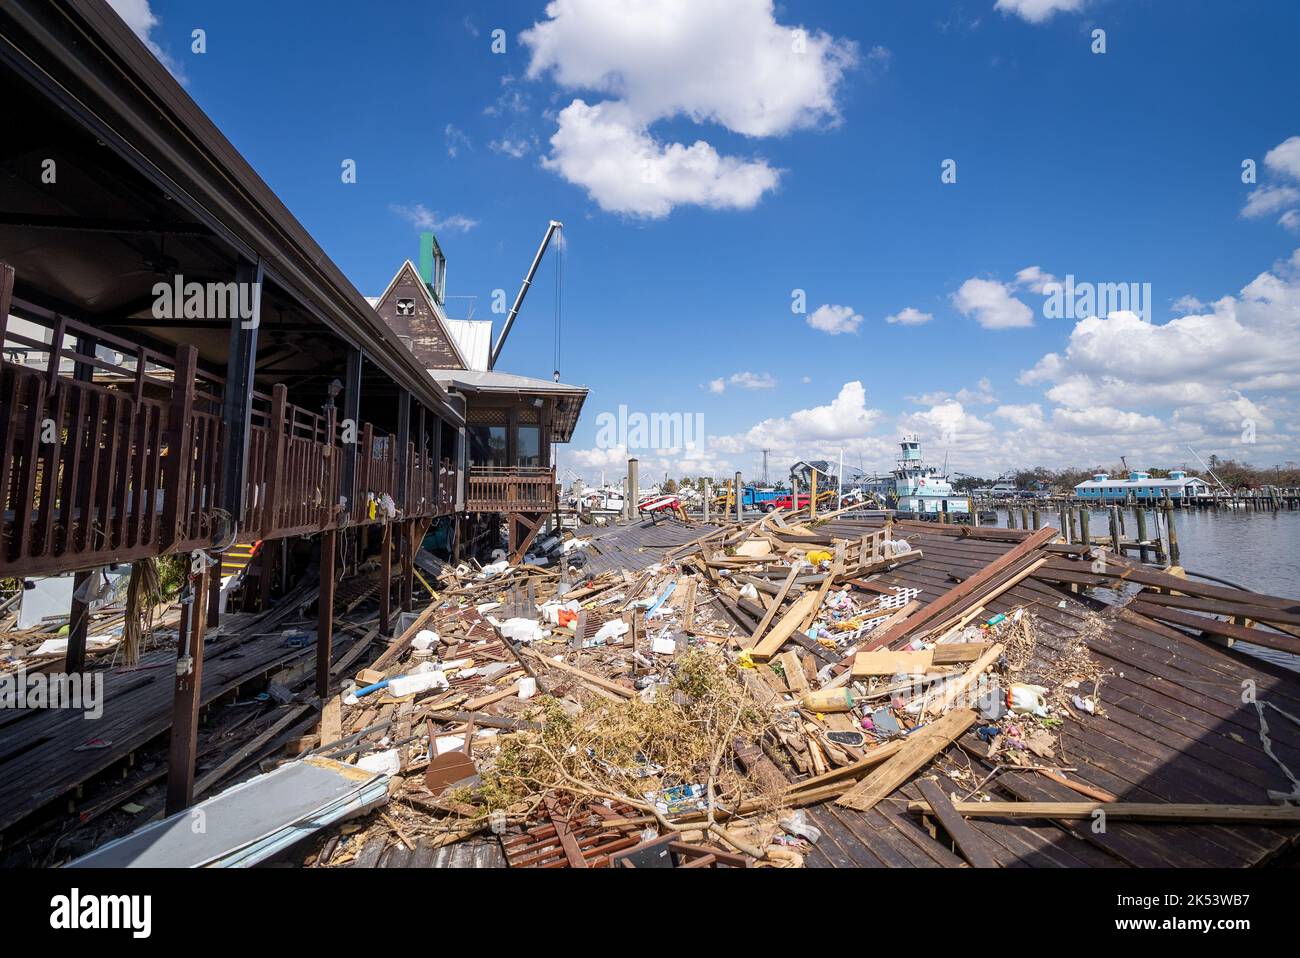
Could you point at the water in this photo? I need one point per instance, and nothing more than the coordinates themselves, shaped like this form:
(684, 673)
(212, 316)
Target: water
(1259, 551)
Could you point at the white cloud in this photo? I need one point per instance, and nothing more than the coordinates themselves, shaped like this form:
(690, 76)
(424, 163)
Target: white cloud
(1024, 415)
(1267, 200)
(744, 380)
(509, 147)
(1034, 279)
(1187, 304)
(726, 62)
(909, 316)
(139, 16)
(423, 218)
(1038, 11)
(455, 140)
(626, 170)
(1285, 158)
(992, 305)
(835, 319)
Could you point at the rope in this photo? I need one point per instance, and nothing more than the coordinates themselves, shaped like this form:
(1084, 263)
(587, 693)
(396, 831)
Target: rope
(559, 299)
(1268, 750)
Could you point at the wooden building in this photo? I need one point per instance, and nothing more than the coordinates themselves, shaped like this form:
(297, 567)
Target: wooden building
(184, 370)
(511, 421)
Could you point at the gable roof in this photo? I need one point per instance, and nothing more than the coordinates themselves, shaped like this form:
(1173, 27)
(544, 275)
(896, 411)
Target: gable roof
(435, 310)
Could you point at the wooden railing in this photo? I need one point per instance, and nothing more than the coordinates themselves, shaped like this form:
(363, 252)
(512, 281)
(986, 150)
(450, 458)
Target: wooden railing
(520, 489)
(130, 465)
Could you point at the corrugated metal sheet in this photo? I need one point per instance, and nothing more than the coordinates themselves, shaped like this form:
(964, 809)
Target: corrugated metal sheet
(474, 339)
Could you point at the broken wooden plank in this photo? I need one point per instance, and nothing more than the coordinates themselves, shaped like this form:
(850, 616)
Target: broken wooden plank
(974, 847)
(788, 625)
(1125, 811)
(885, 662)
(919, 747)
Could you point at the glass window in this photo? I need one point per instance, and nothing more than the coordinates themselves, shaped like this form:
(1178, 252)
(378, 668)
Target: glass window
(487, 445)
(528, 446)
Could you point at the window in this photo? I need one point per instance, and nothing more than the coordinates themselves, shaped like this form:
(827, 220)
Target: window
(528, 446)
(405, 307)
(487, 445)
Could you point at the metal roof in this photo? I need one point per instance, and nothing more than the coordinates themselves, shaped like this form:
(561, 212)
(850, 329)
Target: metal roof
(1157, 483)
(568, 399)
(474, 340)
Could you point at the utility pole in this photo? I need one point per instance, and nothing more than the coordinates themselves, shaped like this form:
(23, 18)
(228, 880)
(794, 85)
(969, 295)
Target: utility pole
(765, 452)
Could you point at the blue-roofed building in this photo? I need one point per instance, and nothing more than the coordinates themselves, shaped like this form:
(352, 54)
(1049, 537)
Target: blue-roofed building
(1139, 486)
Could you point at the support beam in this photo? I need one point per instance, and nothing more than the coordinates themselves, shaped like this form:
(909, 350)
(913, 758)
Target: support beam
(325, 612)
(237, 397)
(180, 455)
(409, 546)
(385, 581)
(78, 627)
(186, 701)
(351, 411)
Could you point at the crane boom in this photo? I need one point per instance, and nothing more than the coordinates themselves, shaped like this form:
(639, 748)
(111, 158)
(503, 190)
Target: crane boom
(523, 291)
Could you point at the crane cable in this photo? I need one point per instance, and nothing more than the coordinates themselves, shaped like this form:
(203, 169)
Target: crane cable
(559, 299)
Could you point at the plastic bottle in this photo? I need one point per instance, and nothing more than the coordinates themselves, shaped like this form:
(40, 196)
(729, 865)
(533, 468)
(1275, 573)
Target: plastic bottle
(828, 700)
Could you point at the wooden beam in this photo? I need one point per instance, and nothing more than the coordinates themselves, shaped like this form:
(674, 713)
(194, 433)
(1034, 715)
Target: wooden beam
(951, 600)
(386, 581)
(183, 747)
(789, 623)
(975, 848)
(1126, 811)
(325, 612)
(922, 745)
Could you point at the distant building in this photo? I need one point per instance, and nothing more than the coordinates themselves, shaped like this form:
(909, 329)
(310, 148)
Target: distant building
(1140, 486)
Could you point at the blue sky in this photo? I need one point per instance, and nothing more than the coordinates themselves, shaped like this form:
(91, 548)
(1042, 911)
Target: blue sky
(708, 162)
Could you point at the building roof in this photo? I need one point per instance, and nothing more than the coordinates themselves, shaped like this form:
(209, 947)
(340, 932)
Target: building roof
(1157, 483)
(568, 399)
(473, 338)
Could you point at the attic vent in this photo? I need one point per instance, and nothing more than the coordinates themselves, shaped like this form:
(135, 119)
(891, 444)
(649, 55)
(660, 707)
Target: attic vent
(405, 307)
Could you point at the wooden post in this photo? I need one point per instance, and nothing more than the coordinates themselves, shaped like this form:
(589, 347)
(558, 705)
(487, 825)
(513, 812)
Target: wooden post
(186, 699)
(739, 496)
(1085, 534)
(409, 547)
(1116, 539)
(633, 489)
(1011, 518)
(237, 394)
(385, 580)
(812, 497)
(1141, 531)
(214, 592)
(275, 460)
(78, 627)
(325, 612)
(1038, 519)
(180, 457)
(1174, 556)
(707, 490)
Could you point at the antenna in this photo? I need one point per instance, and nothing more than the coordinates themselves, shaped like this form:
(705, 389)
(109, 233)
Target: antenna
(765, 452)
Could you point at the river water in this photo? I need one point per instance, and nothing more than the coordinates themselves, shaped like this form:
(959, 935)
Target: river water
(1259, 551)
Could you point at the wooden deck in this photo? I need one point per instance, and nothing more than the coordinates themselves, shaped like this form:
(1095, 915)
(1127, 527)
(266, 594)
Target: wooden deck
(1175, 729)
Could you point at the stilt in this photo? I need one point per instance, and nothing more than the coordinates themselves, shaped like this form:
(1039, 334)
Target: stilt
(186, 699)
(325, 613)
(409, 546)
(385, 581)
(78, 627)
(1141, 517)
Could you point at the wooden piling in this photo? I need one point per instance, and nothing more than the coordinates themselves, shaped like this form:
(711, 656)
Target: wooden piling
(1141, 516)
(1173, 534)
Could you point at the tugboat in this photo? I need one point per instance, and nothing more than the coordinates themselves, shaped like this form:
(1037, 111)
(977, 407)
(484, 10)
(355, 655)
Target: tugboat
(921, 491)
